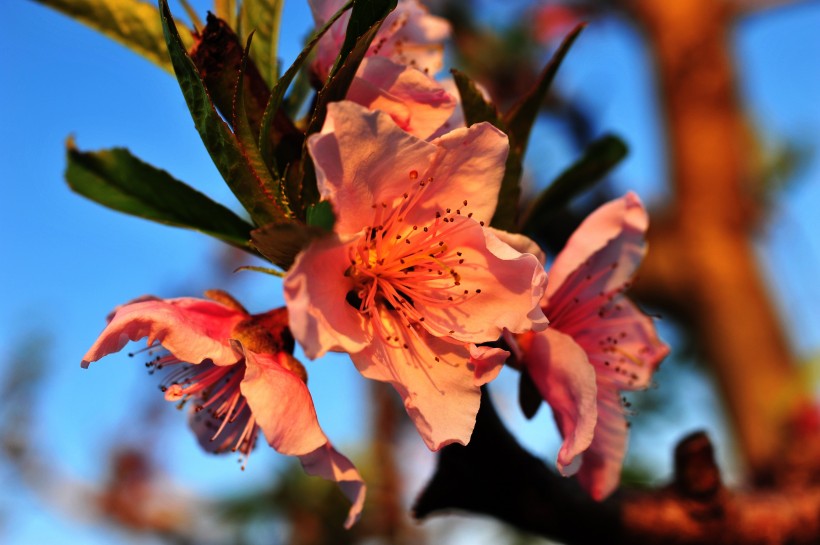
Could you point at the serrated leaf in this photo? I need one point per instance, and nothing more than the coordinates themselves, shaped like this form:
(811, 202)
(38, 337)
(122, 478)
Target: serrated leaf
(132, 23)
(218, 57)
(272, 108)
(280, 243)
(250, 185)
(476, 108)
(118, 180)
(263, 17)
(598, 159)
(521, 118)
(529, 398)
(321, 215)
(247, 139)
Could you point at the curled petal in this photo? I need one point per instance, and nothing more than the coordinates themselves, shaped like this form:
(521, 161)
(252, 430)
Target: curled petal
(601, 467)
(520, 243)
(614, 235)
(435, 378)
(328, 463)
(415, 102)
(193, 330)
(487, 362)
(566, 380)
(281, 404)
(315, 291)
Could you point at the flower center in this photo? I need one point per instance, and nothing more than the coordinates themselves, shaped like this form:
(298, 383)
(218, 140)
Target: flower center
(405, 267)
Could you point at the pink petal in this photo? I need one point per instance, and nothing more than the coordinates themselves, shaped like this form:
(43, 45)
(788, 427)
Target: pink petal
(414, 101)
(618, 228)
(566, 380)
(623, 345)
(413, 37)
(193, 330)
(520, 243)
(315, 292)
(502, 288)
(468, 167)
(281, 405)
(487, 362)
(363, 159)
(601, 467)
(436, 379)
(328, 463)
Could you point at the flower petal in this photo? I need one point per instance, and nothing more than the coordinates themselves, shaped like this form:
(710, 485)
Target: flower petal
(566, 381)
(330, 464)
(315, 292)
(281, 404)
(487, 362)
(435, 378)
(363, 158)
(193, 330)
(623, 346)
(413, 100)
(500, 288)
(601, 466)
(468, 166)
(614, 234)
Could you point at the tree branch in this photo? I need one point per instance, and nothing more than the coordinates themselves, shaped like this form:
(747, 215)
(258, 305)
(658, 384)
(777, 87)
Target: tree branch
(494, 476)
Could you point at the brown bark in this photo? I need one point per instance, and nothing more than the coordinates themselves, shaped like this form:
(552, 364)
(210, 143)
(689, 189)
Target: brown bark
(493, 475)
(702, 261)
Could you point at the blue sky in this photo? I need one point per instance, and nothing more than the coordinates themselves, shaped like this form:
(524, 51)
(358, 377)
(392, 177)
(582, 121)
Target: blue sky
(69, 261)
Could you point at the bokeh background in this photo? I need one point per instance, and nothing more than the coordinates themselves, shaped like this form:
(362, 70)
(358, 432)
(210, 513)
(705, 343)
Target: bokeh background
(96, 456)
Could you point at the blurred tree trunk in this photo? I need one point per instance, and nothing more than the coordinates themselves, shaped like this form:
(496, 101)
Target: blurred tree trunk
(702, 261)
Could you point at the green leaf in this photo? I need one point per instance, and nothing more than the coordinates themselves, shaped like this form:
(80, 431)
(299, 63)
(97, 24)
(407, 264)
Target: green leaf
(251, 186)
(277, 94)
(321, 215)
(364, 15)
(263, 18)
(118, 180)
(133, 23)
(598, 159)
(247, 139)
(477, 109)
(521, 118)
(280, 243)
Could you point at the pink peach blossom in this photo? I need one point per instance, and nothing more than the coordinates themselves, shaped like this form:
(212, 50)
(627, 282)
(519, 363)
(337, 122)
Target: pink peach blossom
(598, 344)
(417, 103)
(236, 371)
(412, 280)
(409, 36)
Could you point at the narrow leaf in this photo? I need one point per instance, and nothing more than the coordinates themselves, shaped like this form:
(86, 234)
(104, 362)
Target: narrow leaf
(247, 139)
(598, 159)
(364, 15)
(263, 18)
(477, 109)
(277, 94)
(118, 180)
(521, 118)
(248, 184)
(133, 23)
